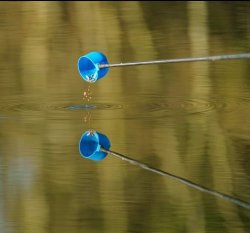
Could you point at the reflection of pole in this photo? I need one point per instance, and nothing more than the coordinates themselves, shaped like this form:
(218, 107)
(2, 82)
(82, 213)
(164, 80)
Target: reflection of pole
(178, 60)
(180, 179)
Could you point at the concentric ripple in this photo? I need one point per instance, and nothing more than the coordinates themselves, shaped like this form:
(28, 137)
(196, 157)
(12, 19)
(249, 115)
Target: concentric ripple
(146, 106)
(171, 107)
(97, 106)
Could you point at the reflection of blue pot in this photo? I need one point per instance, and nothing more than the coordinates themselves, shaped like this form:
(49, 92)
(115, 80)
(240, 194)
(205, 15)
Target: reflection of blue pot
(91, 143)
(88, 66)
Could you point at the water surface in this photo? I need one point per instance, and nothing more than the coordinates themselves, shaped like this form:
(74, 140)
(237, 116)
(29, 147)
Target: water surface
(192, 119)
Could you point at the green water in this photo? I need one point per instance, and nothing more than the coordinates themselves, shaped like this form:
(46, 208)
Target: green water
(189, 119)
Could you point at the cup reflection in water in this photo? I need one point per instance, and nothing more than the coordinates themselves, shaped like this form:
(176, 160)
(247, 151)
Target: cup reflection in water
(90, 145)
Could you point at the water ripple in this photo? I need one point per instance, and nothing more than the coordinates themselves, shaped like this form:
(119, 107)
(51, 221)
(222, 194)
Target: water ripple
(128, 108)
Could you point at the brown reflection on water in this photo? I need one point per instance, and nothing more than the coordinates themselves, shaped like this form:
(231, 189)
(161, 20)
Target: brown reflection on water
(47, 187)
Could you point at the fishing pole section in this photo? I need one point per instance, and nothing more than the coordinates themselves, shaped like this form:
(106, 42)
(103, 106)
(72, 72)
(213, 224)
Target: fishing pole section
(94, 65)
(96, 146)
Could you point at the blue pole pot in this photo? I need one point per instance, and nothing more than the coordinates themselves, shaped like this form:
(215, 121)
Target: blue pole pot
(88, 66)
(91, 143)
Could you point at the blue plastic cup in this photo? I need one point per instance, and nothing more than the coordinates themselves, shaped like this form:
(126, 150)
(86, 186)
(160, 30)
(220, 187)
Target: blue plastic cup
(91, 143)
(88, 66)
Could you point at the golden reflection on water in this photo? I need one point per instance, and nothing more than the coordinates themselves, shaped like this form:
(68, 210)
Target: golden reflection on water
(48, 187)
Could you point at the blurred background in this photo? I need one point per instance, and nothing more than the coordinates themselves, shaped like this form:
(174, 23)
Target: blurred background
(190, 119)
